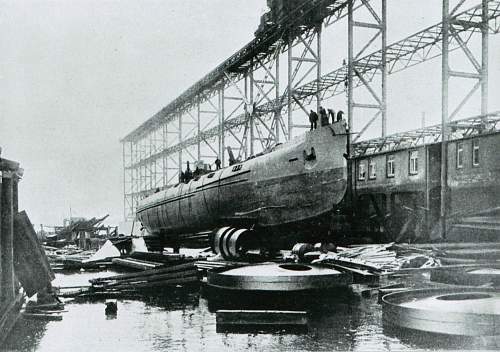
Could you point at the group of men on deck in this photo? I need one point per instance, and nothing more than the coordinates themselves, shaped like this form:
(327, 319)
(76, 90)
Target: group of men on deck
(324, 117)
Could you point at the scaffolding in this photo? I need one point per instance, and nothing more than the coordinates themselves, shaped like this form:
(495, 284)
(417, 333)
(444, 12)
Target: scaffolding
(245, 103)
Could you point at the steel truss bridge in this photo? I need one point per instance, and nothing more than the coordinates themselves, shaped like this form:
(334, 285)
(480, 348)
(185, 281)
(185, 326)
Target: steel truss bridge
(246, 104)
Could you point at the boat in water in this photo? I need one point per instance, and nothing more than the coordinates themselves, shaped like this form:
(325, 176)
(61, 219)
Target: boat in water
(297, 182)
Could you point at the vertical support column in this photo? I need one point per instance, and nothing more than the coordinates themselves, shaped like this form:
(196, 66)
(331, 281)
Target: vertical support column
(350, 67)
(484, 57)
(180, 141)
(7, 239)
(124, 182)
(383, 68)
(220, 108)
(376, 100)
(198, 126)
(152, 165)
(318, 66)
(252, 136)
(445, 75)
(1, 235)
(351, 163)
(136, 182)
(290, 87)
(247, 116)
(277, 108)
(15, 209)
(164, 157)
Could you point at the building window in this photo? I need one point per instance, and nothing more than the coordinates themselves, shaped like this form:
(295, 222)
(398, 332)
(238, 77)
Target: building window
(372, 169)
(460, 155)
(475, 152)
(391, 170)
(414, 162)
(361, 171)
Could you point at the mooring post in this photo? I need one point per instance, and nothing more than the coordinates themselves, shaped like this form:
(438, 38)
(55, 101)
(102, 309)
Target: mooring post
(1, 246)
(15, 208)
(7, 239)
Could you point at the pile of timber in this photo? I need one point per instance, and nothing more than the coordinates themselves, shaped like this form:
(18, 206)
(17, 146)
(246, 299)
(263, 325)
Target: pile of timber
(378, 258)
(72, 258)
(463, 252)
(177, 275)
(171, 276)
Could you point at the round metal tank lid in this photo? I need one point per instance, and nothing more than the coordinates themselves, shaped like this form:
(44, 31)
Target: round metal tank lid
(458, 311)
(278, 277)
(467, 276)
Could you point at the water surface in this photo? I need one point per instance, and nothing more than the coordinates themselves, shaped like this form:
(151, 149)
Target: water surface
(185, 321)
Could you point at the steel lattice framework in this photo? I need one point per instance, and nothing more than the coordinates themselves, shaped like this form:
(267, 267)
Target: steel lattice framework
(244, 104)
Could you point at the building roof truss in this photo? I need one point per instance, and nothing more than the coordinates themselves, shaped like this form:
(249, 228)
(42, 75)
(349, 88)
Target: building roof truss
(460, 128)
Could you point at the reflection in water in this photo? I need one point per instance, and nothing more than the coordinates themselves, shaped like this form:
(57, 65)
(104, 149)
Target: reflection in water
(184, 320)
(25, 335)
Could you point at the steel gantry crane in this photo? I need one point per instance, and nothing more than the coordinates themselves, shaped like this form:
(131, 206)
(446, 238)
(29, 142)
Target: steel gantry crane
(246, 104)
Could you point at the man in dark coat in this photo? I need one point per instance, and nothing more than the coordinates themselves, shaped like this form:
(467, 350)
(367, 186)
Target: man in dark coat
(313, 119)
(217, 163)
(323, 115)
(331, 114)
(188, 174)
(340, 116)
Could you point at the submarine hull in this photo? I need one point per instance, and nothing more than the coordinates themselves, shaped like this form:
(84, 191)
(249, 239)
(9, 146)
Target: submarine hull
(301, 180)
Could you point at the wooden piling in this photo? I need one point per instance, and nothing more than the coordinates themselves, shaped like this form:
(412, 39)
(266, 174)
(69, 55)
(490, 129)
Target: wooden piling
(7, 248)
(1, 245)
(10, 298)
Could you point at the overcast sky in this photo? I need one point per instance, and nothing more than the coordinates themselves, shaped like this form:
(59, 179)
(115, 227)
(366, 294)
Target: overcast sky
(76, 76)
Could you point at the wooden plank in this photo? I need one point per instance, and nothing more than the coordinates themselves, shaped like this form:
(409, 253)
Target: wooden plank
(454, 245)
(41, 316)
(48, 306)
(31, 265)
(152, 278)
(145, 273)
(158, 257)
(136, 264)
(353, 270)
(261, 317)
(170, 282)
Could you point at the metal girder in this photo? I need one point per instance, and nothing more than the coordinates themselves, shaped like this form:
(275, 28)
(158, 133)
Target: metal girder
(415, 49)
